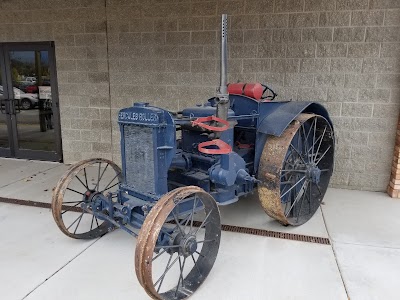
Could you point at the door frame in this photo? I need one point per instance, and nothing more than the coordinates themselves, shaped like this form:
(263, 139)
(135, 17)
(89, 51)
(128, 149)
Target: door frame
(5, 65)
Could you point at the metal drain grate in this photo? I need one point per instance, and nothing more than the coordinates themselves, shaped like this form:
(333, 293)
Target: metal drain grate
(229, 228)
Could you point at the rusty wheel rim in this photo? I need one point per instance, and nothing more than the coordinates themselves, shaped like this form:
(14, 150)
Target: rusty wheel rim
(295, 170)
(161, 236)
(76, 187)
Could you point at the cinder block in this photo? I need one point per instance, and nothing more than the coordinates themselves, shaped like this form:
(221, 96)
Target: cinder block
(178, 38)
(256, 65)
(289, 5)
(336, 19)
(178, 65)
(272, 50)
(374, 4)
(203, 9)
(191, 52)
(203, 66)
(317, 35)
(381, 65)
(329, 80)
(352, 34)
(312, 94)
(274, 21)
(237, 7)
(388, 81)
(340, 94)
(190, 24)
(383, 34)
(390, 49)
(303, 20)
(386, 110)
(301, 50)
(374, 95)
(363, 50)
(153, 38)
(360, 80)
(367, 18)
(392, 17)
(331, 50)
(351, 4)
(285, 65)
(253, 36)
(319, 65)
(319, 5)
(237, 36)
(242, 22)
(286, 36)
(348, 65)
(165, 25)
(243, 51)
(299, 80)
(253, 7)
(204, 37)
(356, 110)
(140, 25)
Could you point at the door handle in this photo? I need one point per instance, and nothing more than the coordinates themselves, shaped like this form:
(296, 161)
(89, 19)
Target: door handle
(2, 103)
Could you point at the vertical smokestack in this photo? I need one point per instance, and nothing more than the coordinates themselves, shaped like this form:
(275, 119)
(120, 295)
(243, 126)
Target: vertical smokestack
(223, 64)
(223, 97)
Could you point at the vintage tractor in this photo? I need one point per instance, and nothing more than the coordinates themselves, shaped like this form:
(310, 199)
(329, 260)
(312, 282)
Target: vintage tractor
(177, 168)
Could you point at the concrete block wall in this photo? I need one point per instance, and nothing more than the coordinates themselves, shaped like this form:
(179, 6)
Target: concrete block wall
(78, 29)
(344, 54)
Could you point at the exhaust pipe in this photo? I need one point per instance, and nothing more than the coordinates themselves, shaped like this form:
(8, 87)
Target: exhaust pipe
(222, 92)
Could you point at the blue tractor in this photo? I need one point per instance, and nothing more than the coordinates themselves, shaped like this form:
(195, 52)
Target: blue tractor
(177, 168)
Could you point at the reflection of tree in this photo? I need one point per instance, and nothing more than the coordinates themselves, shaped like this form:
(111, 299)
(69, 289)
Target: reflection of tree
(14, 74)
(27, 69)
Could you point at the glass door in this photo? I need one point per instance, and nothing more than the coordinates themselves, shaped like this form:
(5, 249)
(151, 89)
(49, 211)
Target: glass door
(34, 127)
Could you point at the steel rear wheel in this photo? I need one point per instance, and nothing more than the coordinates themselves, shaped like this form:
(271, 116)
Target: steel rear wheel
(175, 252)
(76, 188)
(295, 170)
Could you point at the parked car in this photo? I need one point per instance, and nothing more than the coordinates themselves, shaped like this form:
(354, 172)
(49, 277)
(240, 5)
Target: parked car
(25, 100)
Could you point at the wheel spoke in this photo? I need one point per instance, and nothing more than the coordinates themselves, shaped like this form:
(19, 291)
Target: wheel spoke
(72, 190)
(293, 186)
(76, 220)
(91, 224)
(71, 207)
(98, 177)
(298, 196)
(301, 157)
(305, 139)
(302, 201)
(81, 182)
(322, 156)
(322, 137)
(168, 267)
(181, 266)
(159, 254)
(73, 202)
(84, 172)
(194, 205)
(315, 129)
(204, 222)
(166, 247)
(177, 222)
(199, 254)
(77, 225)
(206, 241)
(109, 187)
(195, 264)
(101, 176)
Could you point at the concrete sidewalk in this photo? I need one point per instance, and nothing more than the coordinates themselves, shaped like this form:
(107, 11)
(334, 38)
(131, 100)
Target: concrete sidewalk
(38, 262)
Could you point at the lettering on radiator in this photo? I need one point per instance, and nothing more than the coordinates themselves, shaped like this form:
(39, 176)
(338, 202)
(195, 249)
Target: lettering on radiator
(142, 117)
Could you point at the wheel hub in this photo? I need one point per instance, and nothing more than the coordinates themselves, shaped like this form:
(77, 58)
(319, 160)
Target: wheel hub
(189, 246)
(313, 173)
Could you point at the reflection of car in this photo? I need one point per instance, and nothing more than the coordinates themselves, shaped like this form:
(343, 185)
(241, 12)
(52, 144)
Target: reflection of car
(25, 100)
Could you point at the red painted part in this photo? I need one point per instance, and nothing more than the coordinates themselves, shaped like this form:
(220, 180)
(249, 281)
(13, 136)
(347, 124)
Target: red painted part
(253, 90)
(200, 122)
(244, 146)
(223, 148)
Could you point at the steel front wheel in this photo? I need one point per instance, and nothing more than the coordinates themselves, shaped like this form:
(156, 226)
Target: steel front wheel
(76, 188)
(295, 169)
(178, 243)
